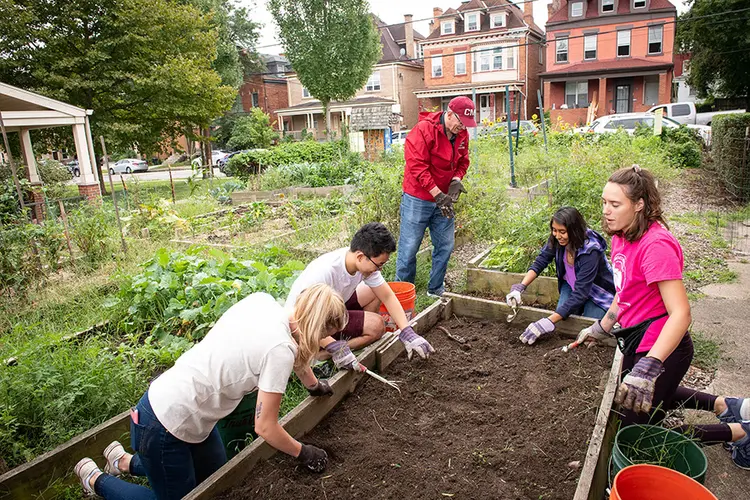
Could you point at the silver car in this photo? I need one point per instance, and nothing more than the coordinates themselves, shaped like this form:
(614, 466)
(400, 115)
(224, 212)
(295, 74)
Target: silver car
(128, 166)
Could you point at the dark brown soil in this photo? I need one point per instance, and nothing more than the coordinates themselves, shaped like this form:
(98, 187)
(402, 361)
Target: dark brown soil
(489, 419)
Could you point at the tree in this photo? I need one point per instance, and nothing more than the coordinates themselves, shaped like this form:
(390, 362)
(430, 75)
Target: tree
(143, 66)
(716, 36)
(331, 44)
(253, 131)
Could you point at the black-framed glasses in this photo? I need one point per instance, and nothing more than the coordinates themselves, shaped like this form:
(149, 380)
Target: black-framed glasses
(378, 266)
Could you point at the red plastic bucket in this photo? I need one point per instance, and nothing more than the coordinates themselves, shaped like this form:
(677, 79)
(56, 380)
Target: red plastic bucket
(406, 293)
(652, 482)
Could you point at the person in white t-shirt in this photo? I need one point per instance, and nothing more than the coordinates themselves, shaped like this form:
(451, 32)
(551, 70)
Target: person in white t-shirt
(354, 272)
(254, 346)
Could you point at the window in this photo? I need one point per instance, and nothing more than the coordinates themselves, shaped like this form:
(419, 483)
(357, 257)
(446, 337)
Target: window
(472, 22)
(510, 62)
(497, 58)
(373, 83)
(437, 66)
(459, 61)
(589, 47)
(639, 4)
(419, 51)
(446, 28)
(577, 94)
(680, 110)
(576, 9)
(305, 92)
(623, 43)
(489, 60)
(561, 47)
(685, 66)
(255, 99)
(498, 20)
(541, 54)
(608, 5)
(654, 39)
(651, 90)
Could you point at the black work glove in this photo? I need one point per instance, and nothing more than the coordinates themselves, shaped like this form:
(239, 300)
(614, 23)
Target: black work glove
(321, 389)
(455, 189)
(315, 459)
(445, 204)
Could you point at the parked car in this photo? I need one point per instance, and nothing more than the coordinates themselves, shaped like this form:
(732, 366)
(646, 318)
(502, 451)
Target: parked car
(73, 168)
(222, 162)
(684, 112)
(399, 137)
(128, 166)
(629, 121)
(216, 156)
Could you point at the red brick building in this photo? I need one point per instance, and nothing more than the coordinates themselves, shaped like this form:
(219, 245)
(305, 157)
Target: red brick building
(617, 54)
(479, 48)
(268, 91)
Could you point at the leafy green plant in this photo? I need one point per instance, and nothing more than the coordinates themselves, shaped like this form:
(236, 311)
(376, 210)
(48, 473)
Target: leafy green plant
(253, 162)
(222, 193)
(92, 227)
(707, 351)
(257, 212)
(54, 176)
(252, 131)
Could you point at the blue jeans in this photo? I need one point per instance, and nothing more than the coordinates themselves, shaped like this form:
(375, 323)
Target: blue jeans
(589, 309)
(416, 216)
(173, 467)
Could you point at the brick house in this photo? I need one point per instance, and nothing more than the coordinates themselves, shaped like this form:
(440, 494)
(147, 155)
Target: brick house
(617, 54)
(267, 91)
(479, 48)
(681, 91)
(394, 78)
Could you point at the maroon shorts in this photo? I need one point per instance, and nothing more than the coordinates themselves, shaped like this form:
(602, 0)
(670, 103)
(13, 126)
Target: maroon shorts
(355, 326)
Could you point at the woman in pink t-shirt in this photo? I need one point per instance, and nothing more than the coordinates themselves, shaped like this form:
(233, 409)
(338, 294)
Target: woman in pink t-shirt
(652, 308)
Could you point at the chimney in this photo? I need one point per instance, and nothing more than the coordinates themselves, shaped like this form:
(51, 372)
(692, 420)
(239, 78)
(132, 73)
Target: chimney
(551, 8)
(528, 13)
(436, 13)
(409, 35)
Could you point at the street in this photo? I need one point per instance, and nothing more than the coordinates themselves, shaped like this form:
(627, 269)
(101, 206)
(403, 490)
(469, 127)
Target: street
(161, 175)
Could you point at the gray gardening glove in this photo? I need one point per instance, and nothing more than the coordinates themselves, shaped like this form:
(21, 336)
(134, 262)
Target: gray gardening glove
(455, 189)
(637, 388)
(445, 204)
(536, 330)
(315, 459)
(592, 334)
(415, 343)
(322, 388)
(342, 356)
(515, 294)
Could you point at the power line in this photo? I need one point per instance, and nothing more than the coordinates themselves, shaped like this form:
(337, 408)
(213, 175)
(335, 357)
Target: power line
(545, 41)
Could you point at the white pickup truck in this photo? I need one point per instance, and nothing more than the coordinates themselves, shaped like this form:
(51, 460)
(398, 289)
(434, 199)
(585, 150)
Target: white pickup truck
(684, 112)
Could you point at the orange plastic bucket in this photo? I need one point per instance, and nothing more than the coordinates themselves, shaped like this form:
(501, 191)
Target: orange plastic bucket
(406, 293)
(652, 482)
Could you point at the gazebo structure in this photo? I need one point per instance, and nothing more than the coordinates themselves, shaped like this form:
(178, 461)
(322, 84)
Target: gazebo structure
(23, 111)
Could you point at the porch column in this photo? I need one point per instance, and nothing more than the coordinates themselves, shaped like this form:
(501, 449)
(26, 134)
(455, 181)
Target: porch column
(546, 97)
(602, 100)
(665, 88)
(27, 152)
(92, 154)
(88, 186)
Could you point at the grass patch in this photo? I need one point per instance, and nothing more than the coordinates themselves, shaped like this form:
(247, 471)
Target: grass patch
(707, 352)
(693, 296)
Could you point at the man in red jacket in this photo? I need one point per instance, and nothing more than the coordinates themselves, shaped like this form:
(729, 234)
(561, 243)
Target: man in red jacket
(437, 157)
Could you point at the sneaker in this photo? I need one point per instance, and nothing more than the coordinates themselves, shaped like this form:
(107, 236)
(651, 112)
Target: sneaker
(435, 295)
(113, 453)
(741, 449)
(738, 410)
(84, 469)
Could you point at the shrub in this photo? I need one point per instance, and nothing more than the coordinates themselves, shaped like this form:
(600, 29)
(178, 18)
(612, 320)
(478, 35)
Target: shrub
(246, 164)
(91, 230)
(335, 173)
(253, 131)
(55, 176)
(729, 153)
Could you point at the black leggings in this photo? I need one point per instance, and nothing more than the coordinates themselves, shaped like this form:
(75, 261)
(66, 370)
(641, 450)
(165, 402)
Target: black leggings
(669, 395)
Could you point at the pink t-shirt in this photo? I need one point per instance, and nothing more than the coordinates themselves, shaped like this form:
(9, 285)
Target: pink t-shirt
(638, 267)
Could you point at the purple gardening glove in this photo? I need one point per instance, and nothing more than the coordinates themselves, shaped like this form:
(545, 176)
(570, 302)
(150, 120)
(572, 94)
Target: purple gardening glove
(415, 343)
(515, 295)
(315, 459)
(342, 356)
(322, 388)
(637, 388)
(537, 329)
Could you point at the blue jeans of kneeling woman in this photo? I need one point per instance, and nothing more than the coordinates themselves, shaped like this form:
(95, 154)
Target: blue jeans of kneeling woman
(589, 309)
(173, 467)
(416, 216)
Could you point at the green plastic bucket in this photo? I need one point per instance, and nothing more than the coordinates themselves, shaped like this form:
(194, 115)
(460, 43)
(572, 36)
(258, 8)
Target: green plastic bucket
(651, 444)
(238, 426)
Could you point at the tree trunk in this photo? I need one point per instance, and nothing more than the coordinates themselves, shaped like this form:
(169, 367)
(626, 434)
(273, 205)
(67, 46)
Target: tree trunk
(327, 116)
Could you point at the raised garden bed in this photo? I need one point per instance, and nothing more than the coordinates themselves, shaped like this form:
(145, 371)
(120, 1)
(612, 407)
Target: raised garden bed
(494, 283)
(290, 193)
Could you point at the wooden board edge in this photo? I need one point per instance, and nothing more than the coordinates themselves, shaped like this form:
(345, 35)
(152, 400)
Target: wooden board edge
(477, 259)
(592, 481)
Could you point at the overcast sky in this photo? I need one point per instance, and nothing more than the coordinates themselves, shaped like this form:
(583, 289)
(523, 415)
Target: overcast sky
(391, 12)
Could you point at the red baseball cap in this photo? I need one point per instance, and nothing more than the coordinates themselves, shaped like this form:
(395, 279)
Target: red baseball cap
(464, 108)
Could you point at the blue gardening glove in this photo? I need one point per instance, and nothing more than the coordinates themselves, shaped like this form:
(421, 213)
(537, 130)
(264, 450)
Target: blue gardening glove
(312, 457)
(637, 388)
(515, 294)
(537, 329)
(342, 356)
(322, 388)
(415, 343)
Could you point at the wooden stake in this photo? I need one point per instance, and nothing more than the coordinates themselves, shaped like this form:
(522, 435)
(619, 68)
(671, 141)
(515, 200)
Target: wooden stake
(114, 195)
(171, 183)
(64, 218)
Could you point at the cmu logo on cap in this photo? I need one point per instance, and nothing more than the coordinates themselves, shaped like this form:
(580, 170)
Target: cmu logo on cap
(469, 112)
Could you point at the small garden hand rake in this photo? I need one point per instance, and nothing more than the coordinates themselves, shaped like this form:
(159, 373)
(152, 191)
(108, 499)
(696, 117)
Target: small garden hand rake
(392, 383)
